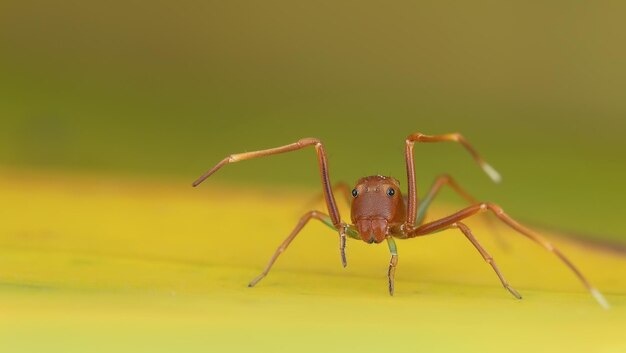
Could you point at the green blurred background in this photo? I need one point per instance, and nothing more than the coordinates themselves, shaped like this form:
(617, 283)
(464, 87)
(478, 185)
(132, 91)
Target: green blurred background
(163, 90)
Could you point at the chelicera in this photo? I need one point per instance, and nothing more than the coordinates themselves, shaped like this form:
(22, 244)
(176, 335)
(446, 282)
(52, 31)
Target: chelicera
(380, 213)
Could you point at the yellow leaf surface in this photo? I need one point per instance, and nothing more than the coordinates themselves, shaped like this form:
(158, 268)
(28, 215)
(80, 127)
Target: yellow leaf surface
(90, 264)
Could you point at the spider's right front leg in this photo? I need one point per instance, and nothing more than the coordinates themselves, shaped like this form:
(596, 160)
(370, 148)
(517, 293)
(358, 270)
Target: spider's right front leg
(331, 204)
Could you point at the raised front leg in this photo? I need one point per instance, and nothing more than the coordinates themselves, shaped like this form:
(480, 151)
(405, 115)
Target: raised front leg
(331, 204)
(410, 167)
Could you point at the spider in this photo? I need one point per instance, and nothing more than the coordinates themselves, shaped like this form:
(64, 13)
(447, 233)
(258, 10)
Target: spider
(379, 212)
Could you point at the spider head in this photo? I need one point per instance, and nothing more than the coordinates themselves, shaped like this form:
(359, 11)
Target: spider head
(376, 203)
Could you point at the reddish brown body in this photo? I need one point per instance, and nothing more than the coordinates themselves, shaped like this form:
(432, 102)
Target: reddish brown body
(377, 207)
(379, 212)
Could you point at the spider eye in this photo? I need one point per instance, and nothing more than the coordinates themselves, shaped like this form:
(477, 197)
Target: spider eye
(355, 193)
(391, 192)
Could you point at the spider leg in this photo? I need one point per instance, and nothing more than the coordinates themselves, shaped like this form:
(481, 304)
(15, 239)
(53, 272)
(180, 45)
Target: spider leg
(303, 221)
(441, 181)
(445, 222)
(391, 273)
(468, 234)
(410, 167)
(331, 204)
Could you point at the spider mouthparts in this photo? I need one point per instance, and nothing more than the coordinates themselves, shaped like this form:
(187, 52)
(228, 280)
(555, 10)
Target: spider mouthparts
(372, 230)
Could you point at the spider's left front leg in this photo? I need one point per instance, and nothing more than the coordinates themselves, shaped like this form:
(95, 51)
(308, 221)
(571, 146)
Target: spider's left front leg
(412, 205)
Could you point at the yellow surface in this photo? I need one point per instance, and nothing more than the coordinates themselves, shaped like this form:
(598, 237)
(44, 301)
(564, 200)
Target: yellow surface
(88, 264)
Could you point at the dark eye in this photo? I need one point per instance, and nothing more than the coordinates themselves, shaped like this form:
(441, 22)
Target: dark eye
(391, 192)
(355, 193)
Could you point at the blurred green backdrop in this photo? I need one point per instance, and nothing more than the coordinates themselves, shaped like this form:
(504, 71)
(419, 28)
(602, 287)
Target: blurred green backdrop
(165, 89)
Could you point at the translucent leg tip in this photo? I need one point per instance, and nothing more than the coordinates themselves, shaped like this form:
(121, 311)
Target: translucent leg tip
(600, 299)
(492, 173)
(255, 281)
(514, 292)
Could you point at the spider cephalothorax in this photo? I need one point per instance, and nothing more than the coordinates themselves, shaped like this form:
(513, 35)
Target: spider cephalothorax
(376, 204)
(379, 212)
